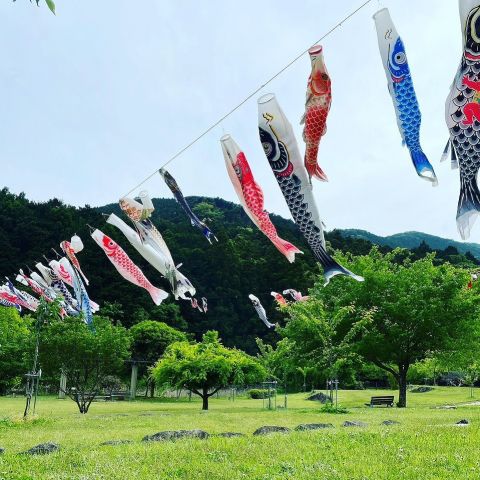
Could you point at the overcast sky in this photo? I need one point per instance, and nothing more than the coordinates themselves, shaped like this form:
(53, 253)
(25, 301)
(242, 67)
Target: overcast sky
(96, 98)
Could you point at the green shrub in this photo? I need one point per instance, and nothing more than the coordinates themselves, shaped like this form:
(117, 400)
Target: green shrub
(330, 408)
(259, 393)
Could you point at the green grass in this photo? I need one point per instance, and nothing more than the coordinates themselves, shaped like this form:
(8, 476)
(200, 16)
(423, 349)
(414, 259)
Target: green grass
(426, 445)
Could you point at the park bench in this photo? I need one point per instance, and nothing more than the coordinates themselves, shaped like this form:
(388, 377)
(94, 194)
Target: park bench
(116, 396)
(379, 401)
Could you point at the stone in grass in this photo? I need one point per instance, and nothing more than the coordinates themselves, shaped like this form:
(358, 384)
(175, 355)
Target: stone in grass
(312, 426)
(354, 423)
(175, 435)
(320, 397)
(116, 442)
(230, 434)
(423, 389)
(267, 429)
(446, 407)
(463, 422)
(43, 449)
(2, 451)
(390, 422)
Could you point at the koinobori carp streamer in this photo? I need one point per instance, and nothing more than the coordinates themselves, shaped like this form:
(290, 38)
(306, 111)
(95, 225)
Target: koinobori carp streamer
(317, 106)
(251, 195)
(281, 149)
(400, 86)
(462, 112)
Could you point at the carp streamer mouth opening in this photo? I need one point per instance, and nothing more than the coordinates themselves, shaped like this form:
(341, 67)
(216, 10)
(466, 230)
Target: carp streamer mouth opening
(268, 97)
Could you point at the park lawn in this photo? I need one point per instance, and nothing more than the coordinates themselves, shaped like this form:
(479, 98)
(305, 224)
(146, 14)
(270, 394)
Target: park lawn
(426, 445)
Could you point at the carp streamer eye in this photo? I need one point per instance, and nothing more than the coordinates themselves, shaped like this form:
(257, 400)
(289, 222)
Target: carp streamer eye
(324, 76)
(400, 58)
(475, 27)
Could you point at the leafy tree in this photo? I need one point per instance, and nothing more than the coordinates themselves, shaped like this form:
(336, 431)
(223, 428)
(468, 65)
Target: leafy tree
(312, 344)
(206, 367)
(404, 312)
(149, 341)
(86, 357)
(14, 341)
(50, 4)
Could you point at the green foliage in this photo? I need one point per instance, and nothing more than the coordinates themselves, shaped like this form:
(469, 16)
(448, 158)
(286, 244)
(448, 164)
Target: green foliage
(14, 342)
(331, 408)
(205, 367)
(258, 393)
(404, 311)
(50, 4)
(86, 357)
(150, 339)
(242, 262)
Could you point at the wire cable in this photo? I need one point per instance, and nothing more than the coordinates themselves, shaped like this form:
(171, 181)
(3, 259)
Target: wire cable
(248, 97)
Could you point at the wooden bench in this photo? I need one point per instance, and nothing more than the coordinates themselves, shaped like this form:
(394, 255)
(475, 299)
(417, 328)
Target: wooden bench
(379, 401)
(115, 396)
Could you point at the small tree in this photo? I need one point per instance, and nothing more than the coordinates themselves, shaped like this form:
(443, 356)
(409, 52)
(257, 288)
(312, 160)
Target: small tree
(149, 341)
(206, 367)
(86, 357)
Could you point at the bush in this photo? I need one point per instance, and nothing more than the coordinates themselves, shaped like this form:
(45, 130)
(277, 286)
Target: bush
(259, 393)
(331, 408)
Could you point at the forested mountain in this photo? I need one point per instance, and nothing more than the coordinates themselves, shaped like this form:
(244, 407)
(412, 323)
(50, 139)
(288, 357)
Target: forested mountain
(242, 262)
(412, 240)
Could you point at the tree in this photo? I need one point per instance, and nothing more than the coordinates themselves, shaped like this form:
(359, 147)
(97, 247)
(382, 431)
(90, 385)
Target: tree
(149, 341)
(404, 312)
(311, 345)
(206, 367)
(86, 357)
(50, 4)
(14, 340)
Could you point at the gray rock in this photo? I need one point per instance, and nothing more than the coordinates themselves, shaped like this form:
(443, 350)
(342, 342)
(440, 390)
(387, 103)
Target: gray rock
(423, 389)
(175, 435)
(390, 422)
(230, 434)
(43, 449)
(319, 397)
(446, 407)
(463, 422)
(116, 442)
(312, 426)
(354, 423)
(267, 429)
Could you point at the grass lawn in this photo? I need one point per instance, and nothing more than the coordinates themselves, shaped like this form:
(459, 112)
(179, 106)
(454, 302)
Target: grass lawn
(426, 445)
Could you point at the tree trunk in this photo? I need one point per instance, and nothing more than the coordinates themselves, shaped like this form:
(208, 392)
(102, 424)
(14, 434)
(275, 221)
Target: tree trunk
(205, 398)
(152, 388)
(402, 386)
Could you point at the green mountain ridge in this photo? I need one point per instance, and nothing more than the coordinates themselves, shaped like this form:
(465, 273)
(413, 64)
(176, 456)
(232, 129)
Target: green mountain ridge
(412, 240)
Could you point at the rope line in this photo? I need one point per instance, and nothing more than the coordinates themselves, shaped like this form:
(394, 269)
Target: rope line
(247, 98)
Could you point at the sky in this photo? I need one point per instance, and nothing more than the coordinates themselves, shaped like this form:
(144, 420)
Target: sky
(97, 97)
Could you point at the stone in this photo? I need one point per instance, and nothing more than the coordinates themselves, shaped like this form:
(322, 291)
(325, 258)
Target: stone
(463, 422)
(2, 451)
(354, 423)
(446, 407)
(43, 449)
(175, 435)
(312, 426)
(230, 434)
(423, 389)
(267, 429)
(319, 397)
(116, 442)
(390, 422)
